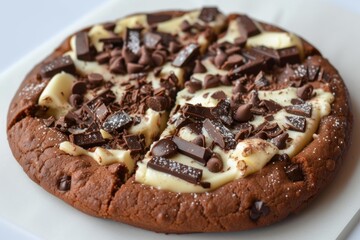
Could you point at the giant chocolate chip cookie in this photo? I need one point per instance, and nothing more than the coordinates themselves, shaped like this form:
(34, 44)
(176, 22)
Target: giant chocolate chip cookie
(182, 122)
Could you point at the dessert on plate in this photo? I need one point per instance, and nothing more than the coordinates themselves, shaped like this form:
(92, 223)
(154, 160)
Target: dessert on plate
(183, 121)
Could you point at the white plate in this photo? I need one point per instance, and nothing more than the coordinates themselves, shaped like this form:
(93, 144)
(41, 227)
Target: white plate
(336, 34)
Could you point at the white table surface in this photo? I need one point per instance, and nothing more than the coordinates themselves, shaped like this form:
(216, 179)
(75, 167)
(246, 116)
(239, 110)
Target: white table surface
(27, 24)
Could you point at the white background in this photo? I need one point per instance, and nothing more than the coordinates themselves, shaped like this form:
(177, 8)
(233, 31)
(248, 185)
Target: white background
(25, 25)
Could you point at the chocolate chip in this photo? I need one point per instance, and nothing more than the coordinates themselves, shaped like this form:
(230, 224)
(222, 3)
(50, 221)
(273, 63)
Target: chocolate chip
(215, 164)
(117, 121)
(220, 58)
(79, 87)
(199, 140)
(103, 57)
(211, 81)
(297, 101)
(224, 79)
(95, 79)
(82, 47)
(157, 17)
(87, 139)
(221, 135)
(110, 26)
(208, 14)
(157, 103)
(118, 66)
(64, 183)
(174, 47)
(186, 55)
(164, 148)
(134, 67)
(247, 27)
(305, 92)
(304, 110)
(184, 172)
(60, 64)
(294, 172)
(280, 141)
(134, 143)
(243, 113)
(233, 61)
(76, 100)
(219, 95)
(238, 88)
(257, 210)
(297, 123)
(192, 150)
(185, 26)
(271, 106)
(193, 85)
(199, 67)
(133, 39)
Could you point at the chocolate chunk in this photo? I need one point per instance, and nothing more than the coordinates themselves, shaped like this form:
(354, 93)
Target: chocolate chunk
(199, 67)
(174, 47)
(151, 39)
(164, 148)
(117, 121)
(197, 112)
(105, 97)
(244, 132)
(233, 61)
(82, 47)
(79, 87)
(251, 67)
(211, 81)
(305, 92)
(222, 112)
(184, 172)
(76, 100)
(254, 98)
(271, 106)
(118, 66)
(297, 123)
(247, 27)
(297, 101)
(257, 210)
(304, 110)
(133, 39)
(64, 183)
(221, 135)
(238, 88)
(269, 52)
(289, 55)
(193, 85)
(60, 64)
(280, 141)
(113, 41)
(215, 164)
(95, 79)
(195, 127)
(294, 172)
(219, 95)
(182, 122)
(157, 17)
(110, 26)
(186, 55)
(261, 80)
(102, 112)
(158, 103)
(192, 150)
(313, 72)
(243, 113)
(134, 143)
(208, 14)
(103, 57)
(87, 139)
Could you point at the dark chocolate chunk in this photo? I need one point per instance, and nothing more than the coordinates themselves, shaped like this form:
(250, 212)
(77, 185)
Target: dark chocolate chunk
(244, 132)
(195, 127)
(151, 39)
(222, 112)
(221, 135)
(269, 52)
(64, 183)
(257, 210)
(105, 97)
(82, 47)
(208, 14)
(79, 87)
(304, 110)
(197, 112)
(294, 172)
(184, 172)
(186, 55)
(219, 95)
(87, 139)
(192, 150)
(164, 148)
(158, 103)
(134, 143)
(102, 112)
(103, 57)
(297, 123)
(313, 72)
(247, 27)
(243, 113)
(305, 92)
(211, 81)
(60, 64)
(271, 106)
(297, 101)
(199, 67)
(113, 41)
(193, 85)
(251, 67)
(233, 61)
(95, 79)
(157, 17)
(133, 39)
(76, 100)
(215, 164)
(280, 141)
(182, 122)
(117, 121)
(289, 55)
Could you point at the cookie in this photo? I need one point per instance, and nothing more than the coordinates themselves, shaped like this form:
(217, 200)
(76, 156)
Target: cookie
(183, 122)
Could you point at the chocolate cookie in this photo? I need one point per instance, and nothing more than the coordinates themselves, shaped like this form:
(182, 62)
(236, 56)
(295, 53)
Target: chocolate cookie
(183, 122)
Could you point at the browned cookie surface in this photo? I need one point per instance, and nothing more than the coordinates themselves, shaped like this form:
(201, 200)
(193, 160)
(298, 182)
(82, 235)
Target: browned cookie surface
(85, 123)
